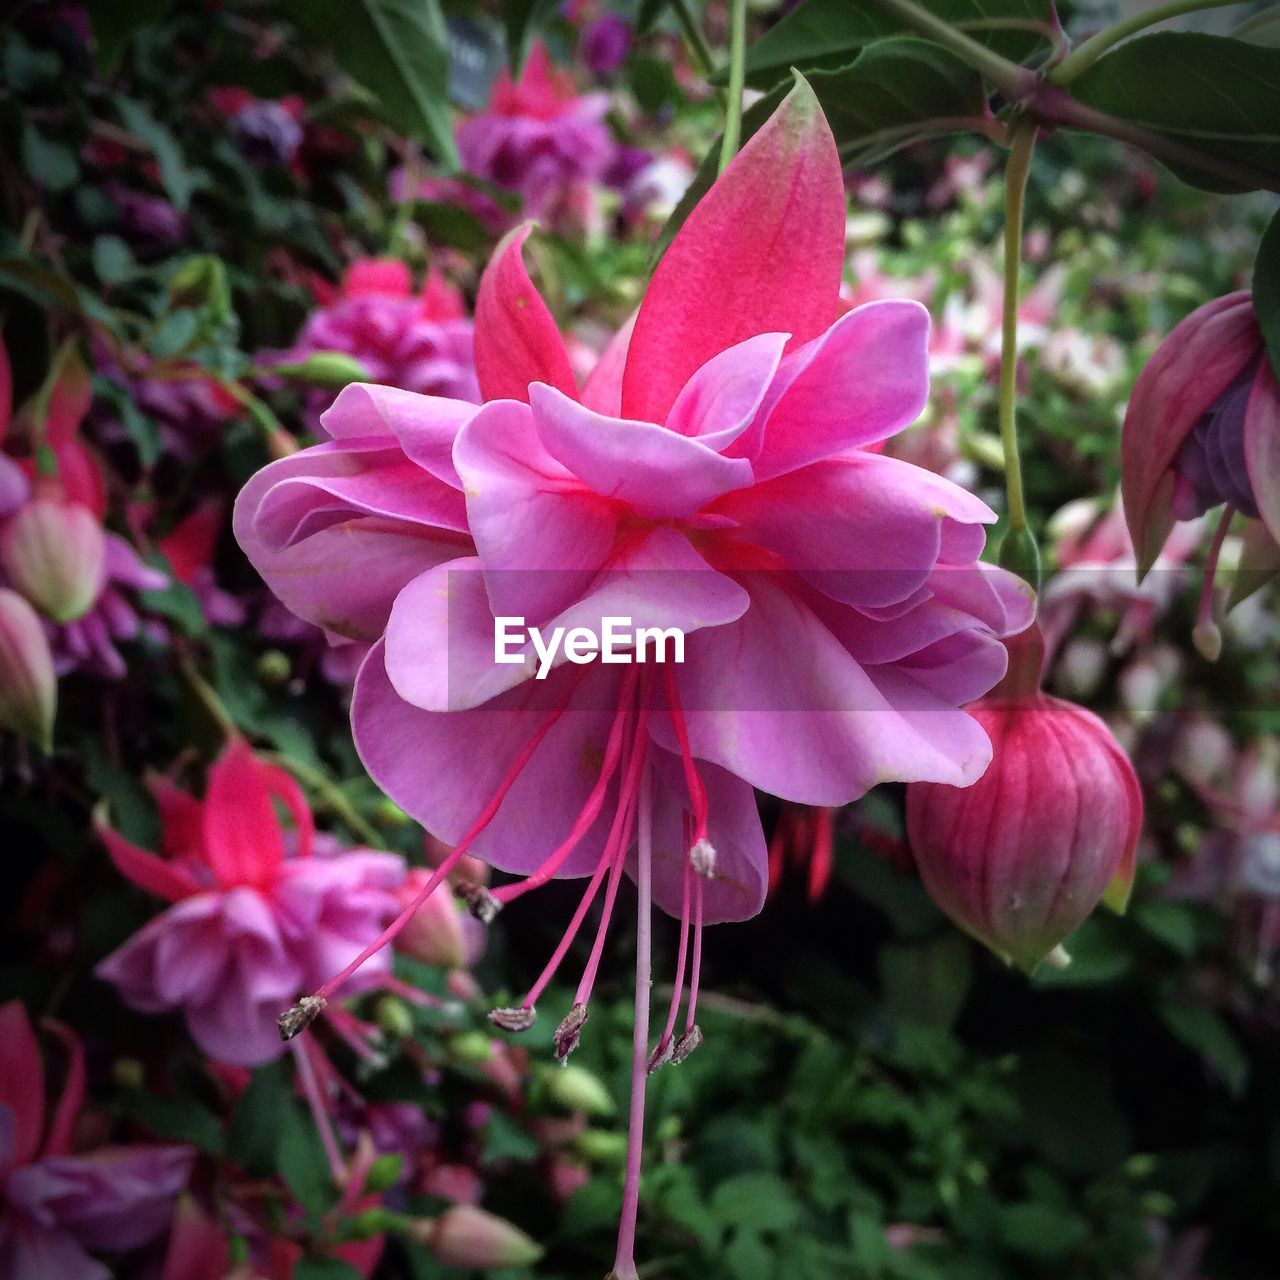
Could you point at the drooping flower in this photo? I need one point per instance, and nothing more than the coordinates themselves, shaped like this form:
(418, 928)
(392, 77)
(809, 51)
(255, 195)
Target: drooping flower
(254, 919)
(1020, 858)
(417, 341)
(712, 476)
(57, 1205)
(1202, 430)
(267, 131)
(539, 138)
(53, 552)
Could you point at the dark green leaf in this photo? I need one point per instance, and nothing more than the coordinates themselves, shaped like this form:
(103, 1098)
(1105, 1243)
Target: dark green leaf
(895, 92)
(324, 1269)
(927, 982)
(174, 177)
(650, 12)
(48, 163)
(175, 333)
(761, 1201)
(112, 259)
(1208, 1034)
(258, 1121)
(523, 18)
(450, 224)
(116, 22)
(827, 33)
(303, 1164)
(179, 604)
(398, 50)
(1266, 290)
(1041, 1231)
(177, 1119)
(1219, 95)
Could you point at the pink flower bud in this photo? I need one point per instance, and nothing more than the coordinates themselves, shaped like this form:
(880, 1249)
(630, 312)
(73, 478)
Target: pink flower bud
(1020, 858)
(441, 932)
(28, 689)
(464, 1236)
(53, 552)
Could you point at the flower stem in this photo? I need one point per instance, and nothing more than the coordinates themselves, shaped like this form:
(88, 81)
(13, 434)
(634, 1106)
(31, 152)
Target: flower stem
(699, 50)
(737, 81)
(1081, 59)
(1023, 140)
(624, 1264)
(330, 794)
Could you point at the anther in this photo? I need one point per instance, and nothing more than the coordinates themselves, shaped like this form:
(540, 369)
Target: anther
(568, 1032)
(300, 1016)
(686, 1045)
(661, 1055)
(481, 903)
(519, 1019)
(703, 858)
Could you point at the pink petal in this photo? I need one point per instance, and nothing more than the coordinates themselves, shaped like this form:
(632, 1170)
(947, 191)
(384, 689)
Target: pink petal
(181, 819)
(720, 400)
(1190, 369)
(198, 1247)
(602, 390)
(762, 252)
(658, 473)
(541, 535)
(242, 836)
(1262, 445)
(861, 382)
(21, 1080)
(147, 870)
(517, 342)
(864, 529)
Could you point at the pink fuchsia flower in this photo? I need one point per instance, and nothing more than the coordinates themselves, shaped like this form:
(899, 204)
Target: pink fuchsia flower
(539, 138)
(28, 686)
(53, 552)
(417, 341)
(267, 132)
(56, 1206)
(1020, 858)
(189, 548)
(472, 1239)
(1202, 430)
(825, 652)
(251, 924)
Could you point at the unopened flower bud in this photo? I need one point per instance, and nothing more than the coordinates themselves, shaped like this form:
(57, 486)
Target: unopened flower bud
(28, 687)
(464, 1236)
(1022, 856)
(394, 1017)
(601, 1146)
(471, 1047)
(274, 668)
(325, 369)
(577, 1089)
(435, 934)
(53, 552)
(385, 1171)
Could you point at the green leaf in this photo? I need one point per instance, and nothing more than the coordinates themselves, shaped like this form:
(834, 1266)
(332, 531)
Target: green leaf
(48, 163)
(177, 1119)
(1208, 1034)
(303, 1164)
(1266, 290)
(821, 34)
(398, 50)
(324, 1269)
(523, 17)
(1041, 1231)
(1174, 923)
(649, 14)
(258, 1120)
(1214, 93)
(927, 982)
(1261, 28)
(760, 1201)
(116, 22)
(174, 177)
(896, 91)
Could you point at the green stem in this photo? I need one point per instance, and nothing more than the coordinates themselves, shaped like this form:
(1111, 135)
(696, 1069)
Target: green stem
(208, 698)
(331, 794)
(737, 81)
(1022, 145)
(1081, 59)
(1013, 81)
(693, 37)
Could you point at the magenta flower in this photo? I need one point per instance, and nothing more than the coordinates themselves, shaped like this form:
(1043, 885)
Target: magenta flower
(415, 341)
(539, 138)
(1202, 430)
(55, 1205)
(249, 926)
(712, 476)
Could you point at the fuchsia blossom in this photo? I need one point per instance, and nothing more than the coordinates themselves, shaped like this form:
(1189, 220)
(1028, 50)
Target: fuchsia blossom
(712, 475)
(251, 924)
(539, 138)
(1202, 430)
(415, 341)
(55, 1205)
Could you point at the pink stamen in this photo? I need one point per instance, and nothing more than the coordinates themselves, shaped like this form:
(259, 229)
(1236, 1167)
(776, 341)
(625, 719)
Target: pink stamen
(660, 1054)
(695, 976)
(627, 807)
(441, 873)
(356, 1035)
(319, 1112)
(590, 810)
(618, 833)
(624, 1266)
(697, 791)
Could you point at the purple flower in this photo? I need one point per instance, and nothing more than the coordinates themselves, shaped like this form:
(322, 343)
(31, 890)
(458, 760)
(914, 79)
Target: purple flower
(606, 43)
